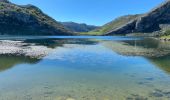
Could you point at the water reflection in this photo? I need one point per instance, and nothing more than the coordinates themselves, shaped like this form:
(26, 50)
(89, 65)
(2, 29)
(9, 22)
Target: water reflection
(157, 52)
(131, 47)
(7, 62)
(162, 62)
(53, 42)
(149, 43)
(88, 69)
(145, 43)
(152, 49)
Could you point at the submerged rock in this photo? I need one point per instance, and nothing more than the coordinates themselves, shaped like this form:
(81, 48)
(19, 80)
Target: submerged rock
(136, 97)
(157, 94)
(167, 94)
(149, 78)
(160, 93)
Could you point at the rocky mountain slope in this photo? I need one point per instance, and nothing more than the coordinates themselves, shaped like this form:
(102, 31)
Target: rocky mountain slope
(112, 25)
(79, 27)
(155, 20)
(27, 20)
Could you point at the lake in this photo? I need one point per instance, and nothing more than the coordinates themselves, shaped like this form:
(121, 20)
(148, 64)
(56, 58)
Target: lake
(87, 68)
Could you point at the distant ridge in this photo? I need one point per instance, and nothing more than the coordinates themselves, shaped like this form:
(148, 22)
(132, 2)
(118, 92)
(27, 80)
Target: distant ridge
(79, 27)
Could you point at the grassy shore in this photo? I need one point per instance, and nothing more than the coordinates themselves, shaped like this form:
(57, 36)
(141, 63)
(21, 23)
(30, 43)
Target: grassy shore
(165, 37)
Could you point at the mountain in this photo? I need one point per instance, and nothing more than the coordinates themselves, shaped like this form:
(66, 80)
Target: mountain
(155, 20)
(112, 25)
(27, 20)
(79, 27)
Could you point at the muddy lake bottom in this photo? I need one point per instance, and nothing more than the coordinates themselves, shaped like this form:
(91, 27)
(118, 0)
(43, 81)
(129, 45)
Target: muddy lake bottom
(85, 68)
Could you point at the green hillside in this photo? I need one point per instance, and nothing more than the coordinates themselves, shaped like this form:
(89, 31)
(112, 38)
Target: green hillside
(27, 20)
(111, 25)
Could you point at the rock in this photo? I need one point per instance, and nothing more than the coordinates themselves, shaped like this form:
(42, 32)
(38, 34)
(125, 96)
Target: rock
(157, 94)
(19, 48)
(136, 97)
(149, 79)
(167, 94)
(152, 21)
(27, 20)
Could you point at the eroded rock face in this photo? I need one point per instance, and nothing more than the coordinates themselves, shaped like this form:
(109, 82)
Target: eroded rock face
(127, 28)
(27, 20)
(148, 22)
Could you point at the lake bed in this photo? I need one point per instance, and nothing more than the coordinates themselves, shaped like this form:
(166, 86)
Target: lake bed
(85, 68)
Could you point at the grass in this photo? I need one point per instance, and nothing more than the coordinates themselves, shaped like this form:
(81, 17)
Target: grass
(166, 35)
(10, 11)
(111, 26)
(90, 33)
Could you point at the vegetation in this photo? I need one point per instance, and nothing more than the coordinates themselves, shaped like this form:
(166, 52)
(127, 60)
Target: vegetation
(78, 27)
(27, 20)
(111, 26)
(166, 35)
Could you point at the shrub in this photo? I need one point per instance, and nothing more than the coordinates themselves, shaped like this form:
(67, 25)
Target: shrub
(167, 32)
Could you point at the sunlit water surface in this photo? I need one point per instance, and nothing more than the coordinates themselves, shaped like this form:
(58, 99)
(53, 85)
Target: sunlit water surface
(83, 68)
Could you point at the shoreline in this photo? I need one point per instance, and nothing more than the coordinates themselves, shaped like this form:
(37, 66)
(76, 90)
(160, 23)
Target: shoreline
(19, 48)
(125, 49)
(32, 50)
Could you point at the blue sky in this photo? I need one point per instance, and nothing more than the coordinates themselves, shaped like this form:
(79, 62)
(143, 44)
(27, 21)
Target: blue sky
(95, 12)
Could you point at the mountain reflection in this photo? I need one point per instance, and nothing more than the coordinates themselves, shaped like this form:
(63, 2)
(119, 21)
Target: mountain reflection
(162, 62)
(153, 50)
(53, 43)
(7, 62)
(157, 52)
(10, 60)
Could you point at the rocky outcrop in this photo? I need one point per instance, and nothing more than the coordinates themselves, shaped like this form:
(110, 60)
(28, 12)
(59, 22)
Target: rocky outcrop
(27, 20)
(113, 25)
(127, 28)
(149, 22)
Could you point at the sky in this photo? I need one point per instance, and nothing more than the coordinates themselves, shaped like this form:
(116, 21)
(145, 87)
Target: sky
(93, 12)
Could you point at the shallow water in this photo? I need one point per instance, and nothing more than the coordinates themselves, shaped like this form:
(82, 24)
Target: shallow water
(84, 68)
